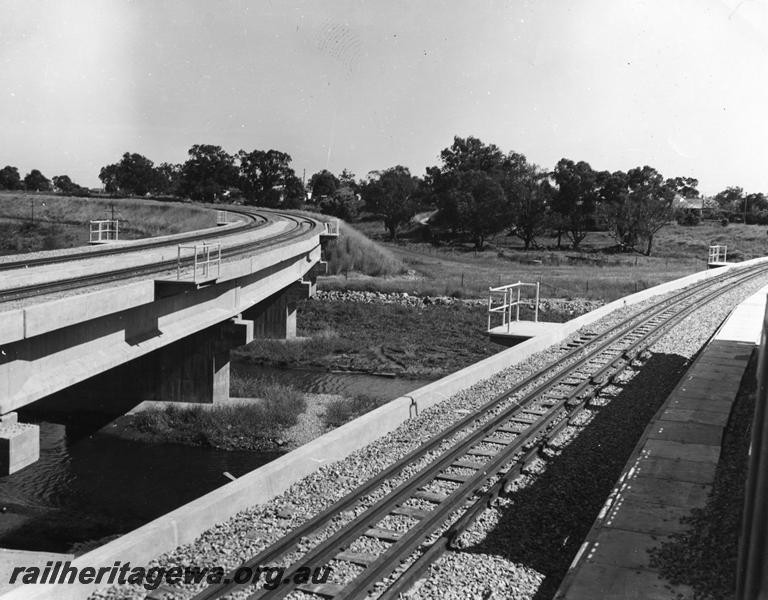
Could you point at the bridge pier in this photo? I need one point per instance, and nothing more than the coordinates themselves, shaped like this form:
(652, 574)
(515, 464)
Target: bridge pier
(19, 444)
(196, 368)
(275, 317)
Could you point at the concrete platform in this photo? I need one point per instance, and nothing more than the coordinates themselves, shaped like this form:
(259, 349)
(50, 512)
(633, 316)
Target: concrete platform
(519, 331)
(669, 473)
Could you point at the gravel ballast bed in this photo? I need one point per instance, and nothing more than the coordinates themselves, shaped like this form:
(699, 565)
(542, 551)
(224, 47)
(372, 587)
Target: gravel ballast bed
(529, 549)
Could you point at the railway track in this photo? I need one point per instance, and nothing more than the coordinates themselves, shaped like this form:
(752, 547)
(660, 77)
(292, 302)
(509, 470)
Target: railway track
(257, 219)
(415, 509)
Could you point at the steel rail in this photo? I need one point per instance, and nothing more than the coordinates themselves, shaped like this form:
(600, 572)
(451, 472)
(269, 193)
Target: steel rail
(408, 543)
(21, 292)
(449, 538)
(289, 542)
(135, 245)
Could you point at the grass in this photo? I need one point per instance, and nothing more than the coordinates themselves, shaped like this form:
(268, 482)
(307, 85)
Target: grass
(31, 222)
(254, 426)
(410, 341)
(354, 252)
(343, 410)
(591, 272)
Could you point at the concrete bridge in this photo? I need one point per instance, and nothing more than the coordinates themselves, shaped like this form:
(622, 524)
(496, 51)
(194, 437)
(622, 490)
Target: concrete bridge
(164, 336)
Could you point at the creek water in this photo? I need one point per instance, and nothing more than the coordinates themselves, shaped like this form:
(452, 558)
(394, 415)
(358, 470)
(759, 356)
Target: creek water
(89, 485)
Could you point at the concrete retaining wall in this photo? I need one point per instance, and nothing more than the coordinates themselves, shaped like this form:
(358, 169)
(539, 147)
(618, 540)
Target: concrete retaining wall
(186, 523)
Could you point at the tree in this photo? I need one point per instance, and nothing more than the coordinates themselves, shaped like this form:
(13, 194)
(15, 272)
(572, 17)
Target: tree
(347, 179)
(636, 205)
(730, 200)
(208, 173)
(63, 183)
(687, 187)
(263, 176)
(323, 183)
(575, 198)
(343, 203)
(529, 197)
(477, 204)
(293, 192)
(35, 181)
(471, 154)
(10, 178)
(391, 194)
(462, 191)
(133, 175)
(108, 176)
(168, 178)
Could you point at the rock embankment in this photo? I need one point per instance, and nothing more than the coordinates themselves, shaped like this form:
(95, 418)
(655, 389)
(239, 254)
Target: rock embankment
(576, 306)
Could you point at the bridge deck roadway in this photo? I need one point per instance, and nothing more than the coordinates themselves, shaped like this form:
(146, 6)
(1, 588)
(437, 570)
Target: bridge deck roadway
(669, 473)
(96, 264)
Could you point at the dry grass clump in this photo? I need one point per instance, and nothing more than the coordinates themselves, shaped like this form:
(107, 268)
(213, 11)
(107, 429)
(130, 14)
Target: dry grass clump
(253, 426)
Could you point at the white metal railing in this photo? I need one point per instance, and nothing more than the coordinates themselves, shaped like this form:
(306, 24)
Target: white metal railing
(332, 227)
(104, 230)
(717, 254)
(222, 217)
(206, 262)
(510, 297)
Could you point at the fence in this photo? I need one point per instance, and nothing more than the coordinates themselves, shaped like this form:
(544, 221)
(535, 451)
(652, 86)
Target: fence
(205, 262)
(331, 228)
(510, 296)
(752, 575)
(717, 254)
(104, 230)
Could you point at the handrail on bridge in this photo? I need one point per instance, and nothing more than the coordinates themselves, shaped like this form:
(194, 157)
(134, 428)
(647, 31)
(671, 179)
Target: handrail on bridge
(751, 576)
(104, 230)
(506, 293)
(331, 228)
(717, 254)
(206, 259)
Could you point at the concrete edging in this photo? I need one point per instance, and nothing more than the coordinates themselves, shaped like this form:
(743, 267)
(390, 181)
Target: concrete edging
(186, 523)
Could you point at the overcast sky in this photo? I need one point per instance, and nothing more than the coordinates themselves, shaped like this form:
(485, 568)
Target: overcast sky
(681, 85)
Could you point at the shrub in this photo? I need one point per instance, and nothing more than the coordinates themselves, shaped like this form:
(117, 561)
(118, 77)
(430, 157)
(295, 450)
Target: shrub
(338, 412)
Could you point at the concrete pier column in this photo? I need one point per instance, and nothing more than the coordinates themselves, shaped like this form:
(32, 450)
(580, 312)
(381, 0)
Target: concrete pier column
(275, 317)
(196, 369)
(19, 444)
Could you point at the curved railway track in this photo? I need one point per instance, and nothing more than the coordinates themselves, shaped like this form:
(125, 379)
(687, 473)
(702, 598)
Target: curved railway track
(436, 491)
(258, 218)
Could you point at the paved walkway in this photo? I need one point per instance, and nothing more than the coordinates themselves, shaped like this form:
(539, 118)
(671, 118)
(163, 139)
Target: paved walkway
(669, 473)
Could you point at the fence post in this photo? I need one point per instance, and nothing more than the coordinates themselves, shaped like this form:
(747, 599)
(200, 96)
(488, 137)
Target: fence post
(536, 309)
(490, 300)
(517, 306)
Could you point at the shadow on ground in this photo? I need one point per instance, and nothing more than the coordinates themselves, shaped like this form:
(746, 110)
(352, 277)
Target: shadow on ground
(548, 520)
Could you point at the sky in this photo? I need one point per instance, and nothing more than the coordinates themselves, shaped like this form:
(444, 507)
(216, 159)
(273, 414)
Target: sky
(679, 85)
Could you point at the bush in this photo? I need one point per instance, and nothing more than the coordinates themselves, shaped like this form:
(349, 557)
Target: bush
(232, 427)
(344, 203)
(338, 412)
(688, 218)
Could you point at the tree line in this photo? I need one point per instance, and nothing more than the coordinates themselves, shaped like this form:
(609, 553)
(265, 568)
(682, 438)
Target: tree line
(35, 181)
(477, 190)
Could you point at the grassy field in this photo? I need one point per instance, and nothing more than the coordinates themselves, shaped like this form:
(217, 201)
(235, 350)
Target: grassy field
(419, 342)
(592, 272)
(31, 222)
